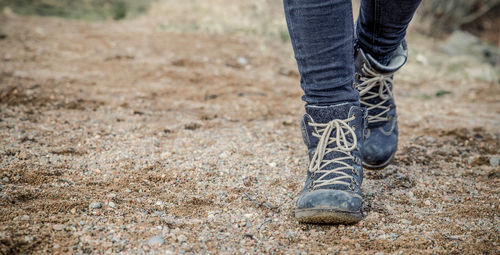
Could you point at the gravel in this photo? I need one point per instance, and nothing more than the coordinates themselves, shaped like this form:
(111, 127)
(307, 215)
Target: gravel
(494, 162)
(151, 143)
(156, 240)
(95, 205)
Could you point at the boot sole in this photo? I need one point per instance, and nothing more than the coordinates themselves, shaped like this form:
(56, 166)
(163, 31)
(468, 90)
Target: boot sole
(381, 166)
(327, 216)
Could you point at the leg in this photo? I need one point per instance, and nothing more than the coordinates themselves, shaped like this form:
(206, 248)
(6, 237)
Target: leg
(321, 32)
(380, 52)
(382, 24)
(322, 37)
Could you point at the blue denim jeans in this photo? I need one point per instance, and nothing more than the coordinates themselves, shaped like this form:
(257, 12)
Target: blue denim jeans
(322, 35)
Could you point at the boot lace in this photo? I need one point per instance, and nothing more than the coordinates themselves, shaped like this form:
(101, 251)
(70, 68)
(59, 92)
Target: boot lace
(372, 79)
(341, 144)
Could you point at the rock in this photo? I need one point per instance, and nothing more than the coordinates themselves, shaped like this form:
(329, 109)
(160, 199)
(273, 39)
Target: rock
(459, 42)
(427, 202)
(22, 155)
(5, 179)
(160, 213)
(156, 241)
(242, 61)
(95, 205)
(112, 204)
(25, 217)
(494, 162)
(422, 59)
(29, 239)
(405, 222)
(463, 43)
(58, 227)
(182, 238)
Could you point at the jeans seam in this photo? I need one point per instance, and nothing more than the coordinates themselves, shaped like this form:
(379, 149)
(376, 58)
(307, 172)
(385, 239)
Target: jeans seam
(297, 45)
(375, 27)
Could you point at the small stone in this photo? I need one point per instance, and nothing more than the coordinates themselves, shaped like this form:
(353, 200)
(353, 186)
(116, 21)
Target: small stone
(112, 204)
(95, 205)
(494, 162)
(156, 241)
(25, 217)
(406, 222)
(242, 61)
(29, 239)
(22, 155)
(160, 213)
(422, 59)
(58, 227)
(159, 203)
(182, 238)
(427, 202)
(5, 179)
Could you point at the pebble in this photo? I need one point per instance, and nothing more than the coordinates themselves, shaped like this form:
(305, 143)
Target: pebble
(406, 222)
(58, 227)
(22, 155)
(494, 162)
(242, 61)
(182, 238)
(112, 204)
(160, 213)
(5, 179)
(427, 202)
(95, 205)
(156, 240)
(25, 217)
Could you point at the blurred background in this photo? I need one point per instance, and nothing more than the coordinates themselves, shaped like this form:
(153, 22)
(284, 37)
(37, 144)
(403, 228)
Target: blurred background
(437, 18)
(172, 126)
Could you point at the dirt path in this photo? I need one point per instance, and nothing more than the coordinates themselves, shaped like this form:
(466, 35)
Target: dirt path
(114, 133)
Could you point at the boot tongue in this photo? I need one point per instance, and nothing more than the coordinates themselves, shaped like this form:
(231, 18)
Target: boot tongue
(324, 114)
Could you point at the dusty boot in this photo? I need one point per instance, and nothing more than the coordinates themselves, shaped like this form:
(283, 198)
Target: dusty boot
(374, 82)
(332, 192)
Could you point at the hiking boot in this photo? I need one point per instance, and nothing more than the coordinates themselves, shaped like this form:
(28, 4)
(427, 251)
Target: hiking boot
(332, 191)
(374, 81)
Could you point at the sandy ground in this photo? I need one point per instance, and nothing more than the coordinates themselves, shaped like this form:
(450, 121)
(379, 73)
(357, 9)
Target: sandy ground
(125, 137)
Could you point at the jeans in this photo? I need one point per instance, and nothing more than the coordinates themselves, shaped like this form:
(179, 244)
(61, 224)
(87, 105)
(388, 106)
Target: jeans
(322, 35)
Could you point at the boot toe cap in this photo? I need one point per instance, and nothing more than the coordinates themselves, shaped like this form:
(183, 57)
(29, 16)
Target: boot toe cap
(338, 200)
